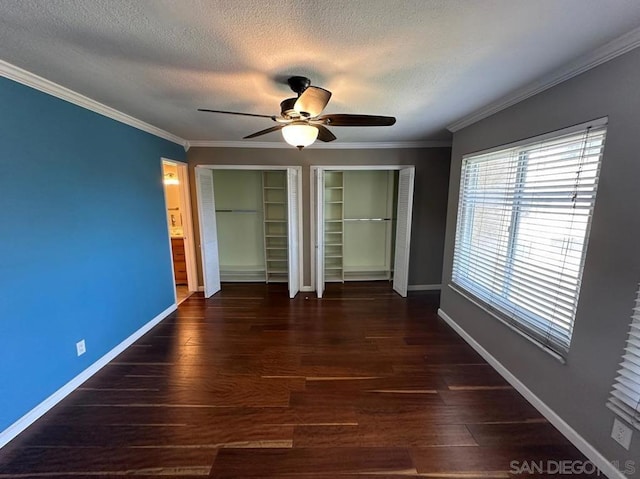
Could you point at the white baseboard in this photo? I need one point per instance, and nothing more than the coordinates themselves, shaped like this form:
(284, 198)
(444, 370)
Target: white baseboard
(571, 434)
(307, 289)
(424, 287)
(201, 289)
(33, 415)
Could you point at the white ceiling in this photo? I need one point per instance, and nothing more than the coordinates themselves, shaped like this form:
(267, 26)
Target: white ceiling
(427, 62)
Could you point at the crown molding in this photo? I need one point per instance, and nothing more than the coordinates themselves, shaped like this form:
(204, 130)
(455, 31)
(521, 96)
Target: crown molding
(609, 51)
(322, 146)
(32, 80)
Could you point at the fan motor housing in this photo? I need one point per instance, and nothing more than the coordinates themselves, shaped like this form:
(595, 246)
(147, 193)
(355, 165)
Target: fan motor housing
(299, 84)
(287, 110)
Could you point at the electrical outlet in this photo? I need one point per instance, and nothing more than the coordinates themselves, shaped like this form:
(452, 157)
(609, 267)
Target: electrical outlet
(621, 433)
(81, 348)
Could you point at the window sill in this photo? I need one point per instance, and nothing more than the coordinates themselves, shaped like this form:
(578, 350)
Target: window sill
(532, 340)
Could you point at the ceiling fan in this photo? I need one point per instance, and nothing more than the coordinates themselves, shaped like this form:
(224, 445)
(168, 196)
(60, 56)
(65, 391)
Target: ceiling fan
(300, 120)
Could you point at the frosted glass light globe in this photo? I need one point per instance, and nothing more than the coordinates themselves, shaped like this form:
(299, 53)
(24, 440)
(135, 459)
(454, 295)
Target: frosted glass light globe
(299, 135)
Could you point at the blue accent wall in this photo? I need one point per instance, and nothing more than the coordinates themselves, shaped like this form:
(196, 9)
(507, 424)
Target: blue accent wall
(84, 249)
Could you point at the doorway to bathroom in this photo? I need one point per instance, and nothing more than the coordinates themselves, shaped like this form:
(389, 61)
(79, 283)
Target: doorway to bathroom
(175, 181)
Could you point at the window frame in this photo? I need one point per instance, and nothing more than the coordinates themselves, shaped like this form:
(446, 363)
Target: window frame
(528, 324)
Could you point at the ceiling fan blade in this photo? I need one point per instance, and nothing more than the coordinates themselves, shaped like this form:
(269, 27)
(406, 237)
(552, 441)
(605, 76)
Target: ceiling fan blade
(237, 113)
(312, 101)
(343, 119)
(264, 132)
(324, 134)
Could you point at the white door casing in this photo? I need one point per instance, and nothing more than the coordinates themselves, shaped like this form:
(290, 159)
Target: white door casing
(187, 226)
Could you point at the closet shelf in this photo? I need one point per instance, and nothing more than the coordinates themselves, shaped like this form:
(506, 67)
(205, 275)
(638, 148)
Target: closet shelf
(275, 221)
(367, 275)
(379, 268)
(242, 269)
(333, 225)
(278, 277)
(367, 219)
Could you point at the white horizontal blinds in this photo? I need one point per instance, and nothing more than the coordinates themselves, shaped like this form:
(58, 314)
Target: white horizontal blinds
(523, 221)
(625, 396)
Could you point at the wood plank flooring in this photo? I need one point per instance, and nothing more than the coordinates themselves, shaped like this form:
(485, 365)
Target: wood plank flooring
(250, 384)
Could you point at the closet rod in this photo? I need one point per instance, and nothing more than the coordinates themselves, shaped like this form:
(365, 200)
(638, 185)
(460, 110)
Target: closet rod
(368, 219)
(236, 211)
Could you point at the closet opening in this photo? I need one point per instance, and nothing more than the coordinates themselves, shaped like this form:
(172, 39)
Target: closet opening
(363, 225)
(175, 181)
(251, 225)
(251, 213)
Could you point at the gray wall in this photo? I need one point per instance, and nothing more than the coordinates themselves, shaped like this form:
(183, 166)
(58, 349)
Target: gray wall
(429, 201)
(577, 390)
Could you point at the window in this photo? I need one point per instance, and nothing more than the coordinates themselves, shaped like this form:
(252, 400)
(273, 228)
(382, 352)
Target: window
(523, 222)
(625, 396)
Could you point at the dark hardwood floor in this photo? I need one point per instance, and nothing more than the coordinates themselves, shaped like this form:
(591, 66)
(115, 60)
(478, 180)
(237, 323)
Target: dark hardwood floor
(361, 384)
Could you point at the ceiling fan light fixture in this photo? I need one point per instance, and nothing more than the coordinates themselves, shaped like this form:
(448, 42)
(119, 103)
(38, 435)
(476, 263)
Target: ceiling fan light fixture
(300, 118)
(300, 134)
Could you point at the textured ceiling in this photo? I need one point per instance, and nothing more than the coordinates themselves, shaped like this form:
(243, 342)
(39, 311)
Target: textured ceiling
(427, 62)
